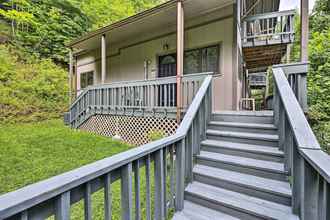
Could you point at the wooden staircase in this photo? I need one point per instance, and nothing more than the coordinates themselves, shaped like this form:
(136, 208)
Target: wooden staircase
(239, 172)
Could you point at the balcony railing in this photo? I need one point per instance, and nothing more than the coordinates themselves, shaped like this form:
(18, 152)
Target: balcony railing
(268, 28)
(156, 98)
(258, 79)
(171, 157)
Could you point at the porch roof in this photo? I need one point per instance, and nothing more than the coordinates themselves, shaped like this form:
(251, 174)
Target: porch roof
(156, 20)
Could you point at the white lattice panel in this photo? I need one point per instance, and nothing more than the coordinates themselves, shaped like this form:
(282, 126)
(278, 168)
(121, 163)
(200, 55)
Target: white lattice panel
(132, 129)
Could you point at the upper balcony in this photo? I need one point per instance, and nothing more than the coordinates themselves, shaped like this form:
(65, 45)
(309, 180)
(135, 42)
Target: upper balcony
(268, 29)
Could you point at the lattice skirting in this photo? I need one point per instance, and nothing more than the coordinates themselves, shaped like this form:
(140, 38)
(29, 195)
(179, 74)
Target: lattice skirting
(132, 129)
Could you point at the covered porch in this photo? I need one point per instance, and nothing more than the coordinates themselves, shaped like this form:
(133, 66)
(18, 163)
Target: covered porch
(167, 46)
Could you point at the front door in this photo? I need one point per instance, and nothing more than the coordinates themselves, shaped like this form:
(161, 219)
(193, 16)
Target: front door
(167, 68)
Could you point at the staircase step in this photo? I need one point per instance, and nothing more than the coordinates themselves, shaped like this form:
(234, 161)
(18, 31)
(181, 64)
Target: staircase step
(243, 137)
(244, 116)
(243, 127)
(236, 204)
(268, 189)
(193, 211)
(245, 150)
(266, 169)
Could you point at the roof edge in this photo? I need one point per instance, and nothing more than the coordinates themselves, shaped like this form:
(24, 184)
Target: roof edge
(123, 22)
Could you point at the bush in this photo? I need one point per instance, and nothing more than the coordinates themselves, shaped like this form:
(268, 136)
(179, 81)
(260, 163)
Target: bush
(30, 89)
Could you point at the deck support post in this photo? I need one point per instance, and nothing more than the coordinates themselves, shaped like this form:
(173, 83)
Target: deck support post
(70, 74)
(304, 30)
(180, 55)
(103, 58)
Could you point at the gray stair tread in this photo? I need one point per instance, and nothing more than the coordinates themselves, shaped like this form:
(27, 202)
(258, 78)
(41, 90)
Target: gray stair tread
(262, 184)
(243, 147)
(243, 161)
(245, 113)
(244, 125)
(270, 137)
(193, 211)
(238, 201)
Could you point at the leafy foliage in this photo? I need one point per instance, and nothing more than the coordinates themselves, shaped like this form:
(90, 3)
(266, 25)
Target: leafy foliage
(32, 89)
(43, 27)
(32, 86)
(319, 72)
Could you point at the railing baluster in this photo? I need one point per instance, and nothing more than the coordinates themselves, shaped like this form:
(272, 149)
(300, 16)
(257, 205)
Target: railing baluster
(326, 202)
(281, 126)
(126, 192)
(172, 176)
(180, 174)
(62, 206)
(297, 170)
(88, 201)
(24, 215)
(107, 197)
(137, 190)
(196, 134)
(189, 157)
(165, 179)
(159, 185)
(289, 147)
(148, 191)
(321, 198)
(309, 192)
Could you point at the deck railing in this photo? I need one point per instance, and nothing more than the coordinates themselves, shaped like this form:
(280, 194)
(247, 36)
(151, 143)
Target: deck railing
(155, 97)
(308, 165)
(56, 195)
(268, 28)
(258, 79)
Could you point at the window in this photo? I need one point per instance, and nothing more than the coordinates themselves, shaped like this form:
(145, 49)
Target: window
(86, 79)
(195, 61)
(202, 60)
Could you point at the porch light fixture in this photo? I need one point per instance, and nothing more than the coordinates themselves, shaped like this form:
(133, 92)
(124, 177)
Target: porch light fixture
(166, 46)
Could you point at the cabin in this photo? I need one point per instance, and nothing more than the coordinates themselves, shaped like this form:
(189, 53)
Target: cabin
(186, 68)
(146, 69)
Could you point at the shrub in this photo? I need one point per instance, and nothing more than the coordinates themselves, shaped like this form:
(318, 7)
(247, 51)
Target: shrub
(30, 89)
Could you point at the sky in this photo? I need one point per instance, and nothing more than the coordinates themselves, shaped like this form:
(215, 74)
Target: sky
(293, 4)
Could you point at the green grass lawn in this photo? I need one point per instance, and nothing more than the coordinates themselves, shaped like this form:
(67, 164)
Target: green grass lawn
(33, 152)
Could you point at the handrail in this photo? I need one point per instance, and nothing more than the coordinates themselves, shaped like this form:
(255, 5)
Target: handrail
(268, 28)
(53, 195)
(269, 15)
(304, 158)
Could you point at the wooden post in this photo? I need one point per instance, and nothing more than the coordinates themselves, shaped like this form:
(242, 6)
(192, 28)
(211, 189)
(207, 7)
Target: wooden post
(70, 74)
(103, 59)
(180, 55)
(304, 30)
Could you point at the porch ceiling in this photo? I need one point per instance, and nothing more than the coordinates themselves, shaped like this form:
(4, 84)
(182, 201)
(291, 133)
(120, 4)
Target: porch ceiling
(153, 22)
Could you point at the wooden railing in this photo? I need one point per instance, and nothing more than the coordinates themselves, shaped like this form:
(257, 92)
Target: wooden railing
(156, 97)
(258, 79)
(308, 165)
(56, 195)
(268, 28)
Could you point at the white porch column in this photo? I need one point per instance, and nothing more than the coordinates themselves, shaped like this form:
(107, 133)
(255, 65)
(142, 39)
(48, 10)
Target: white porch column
(304, 30)
(103, 59)
(180, 55)
(70, 74)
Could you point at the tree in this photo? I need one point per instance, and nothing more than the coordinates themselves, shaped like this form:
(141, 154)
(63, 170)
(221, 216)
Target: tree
(43, 27)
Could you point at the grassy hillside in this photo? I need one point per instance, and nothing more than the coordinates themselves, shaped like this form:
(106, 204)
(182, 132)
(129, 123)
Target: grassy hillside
(32, 152)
